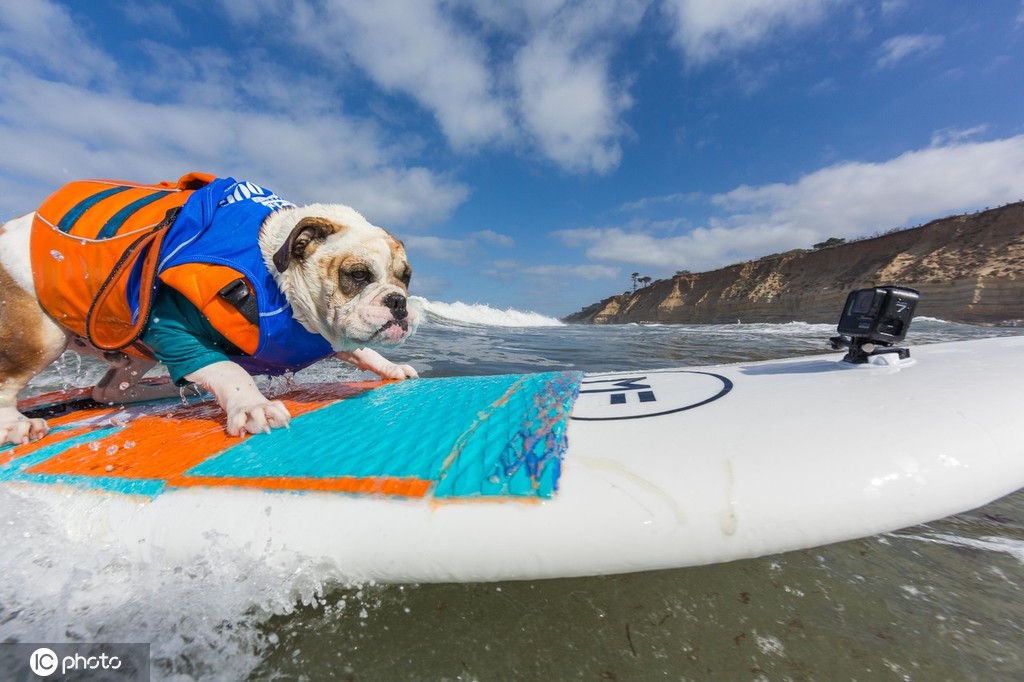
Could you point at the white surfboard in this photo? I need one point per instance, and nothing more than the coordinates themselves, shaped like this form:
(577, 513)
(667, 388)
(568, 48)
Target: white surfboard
(550, 475)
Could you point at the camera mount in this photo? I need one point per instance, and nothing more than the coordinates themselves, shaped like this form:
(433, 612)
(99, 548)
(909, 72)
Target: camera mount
(873, 320)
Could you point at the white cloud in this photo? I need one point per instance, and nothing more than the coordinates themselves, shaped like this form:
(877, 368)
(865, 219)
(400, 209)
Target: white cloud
(416, 49)
(666, 199)
(59, 132)
(44, 34)
(567, 103)
(494, 238)
(891, 8)
(145, 15)
(229, 118)
(896, 49)
(701, 249)
(253, 11)
(508, 268)
(708, 29)
(514, 18)
(534, 75)
(594, 272)
(490, 73)
(823, 87)
(550, 279)
(951, 136)
(458, 251)
(438, 248)
(854, 198)
(844, 200)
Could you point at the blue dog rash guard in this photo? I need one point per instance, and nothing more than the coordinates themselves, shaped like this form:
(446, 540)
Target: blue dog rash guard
(219, 225)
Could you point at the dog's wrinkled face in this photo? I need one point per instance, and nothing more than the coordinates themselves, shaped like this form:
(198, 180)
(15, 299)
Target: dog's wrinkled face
(345, 279)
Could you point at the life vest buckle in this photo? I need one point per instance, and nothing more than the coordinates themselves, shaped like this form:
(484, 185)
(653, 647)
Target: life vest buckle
(237, 293)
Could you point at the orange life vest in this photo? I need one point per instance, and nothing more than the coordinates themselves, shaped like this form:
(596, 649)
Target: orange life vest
(90, 235)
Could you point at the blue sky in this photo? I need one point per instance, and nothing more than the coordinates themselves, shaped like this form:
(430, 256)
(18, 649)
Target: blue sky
(534, 154)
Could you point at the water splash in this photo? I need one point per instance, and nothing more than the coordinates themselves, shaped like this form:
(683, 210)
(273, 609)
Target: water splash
(204, 618)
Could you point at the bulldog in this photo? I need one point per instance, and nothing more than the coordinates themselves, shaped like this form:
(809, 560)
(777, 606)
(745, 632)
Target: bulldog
(303, 283)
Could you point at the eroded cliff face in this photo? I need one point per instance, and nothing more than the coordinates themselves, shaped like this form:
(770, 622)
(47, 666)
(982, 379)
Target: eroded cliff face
(968, 268)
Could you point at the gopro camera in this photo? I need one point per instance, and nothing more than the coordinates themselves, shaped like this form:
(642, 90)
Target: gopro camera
(879, 316)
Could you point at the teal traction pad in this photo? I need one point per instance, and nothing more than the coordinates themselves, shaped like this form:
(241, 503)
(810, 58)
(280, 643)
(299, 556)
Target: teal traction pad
(473, 436)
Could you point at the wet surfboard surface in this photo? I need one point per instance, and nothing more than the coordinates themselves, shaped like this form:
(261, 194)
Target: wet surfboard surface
(543, 475)
(447, 438)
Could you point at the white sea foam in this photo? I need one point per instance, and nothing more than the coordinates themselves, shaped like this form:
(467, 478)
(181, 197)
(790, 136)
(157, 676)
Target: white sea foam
(485, 315)
(205, 618)
(988, 543)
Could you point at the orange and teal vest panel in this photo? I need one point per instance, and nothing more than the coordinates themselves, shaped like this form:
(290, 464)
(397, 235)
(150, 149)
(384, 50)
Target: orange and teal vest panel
(88, 230)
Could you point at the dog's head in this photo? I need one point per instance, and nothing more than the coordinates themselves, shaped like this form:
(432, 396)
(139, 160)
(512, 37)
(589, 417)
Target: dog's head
(346, 279)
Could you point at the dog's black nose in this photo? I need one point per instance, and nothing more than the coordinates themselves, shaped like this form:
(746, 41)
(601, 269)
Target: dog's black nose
(397, 304)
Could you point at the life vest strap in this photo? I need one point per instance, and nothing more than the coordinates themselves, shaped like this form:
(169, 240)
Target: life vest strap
(150, 243)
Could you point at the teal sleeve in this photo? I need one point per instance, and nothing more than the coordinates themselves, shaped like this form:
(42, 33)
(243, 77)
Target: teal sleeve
(181, 337)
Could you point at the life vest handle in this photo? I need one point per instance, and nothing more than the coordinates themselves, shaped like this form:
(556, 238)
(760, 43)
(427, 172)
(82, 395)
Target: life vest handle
(152, 239)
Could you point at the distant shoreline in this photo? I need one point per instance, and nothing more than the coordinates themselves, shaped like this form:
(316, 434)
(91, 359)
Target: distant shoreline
(969, 268)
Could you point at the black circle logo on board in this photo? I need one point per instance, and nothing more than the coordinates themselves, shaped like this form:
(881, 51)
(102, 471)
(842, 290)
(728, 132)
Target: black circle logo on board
(639, 395)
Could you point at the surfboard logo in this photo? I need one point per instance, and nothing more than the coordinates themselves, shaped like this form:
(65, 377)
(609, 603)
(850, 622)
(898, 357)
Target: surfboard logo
(609, 397)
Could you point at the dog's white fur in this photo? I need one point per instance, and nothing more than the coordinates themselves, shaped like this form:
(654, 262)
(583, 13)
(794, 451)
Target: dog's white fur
(347, 323)
(349, 319)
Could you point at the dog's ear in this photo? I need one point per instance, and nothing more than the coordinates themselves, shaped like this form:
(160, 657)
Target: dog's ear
(302, 242)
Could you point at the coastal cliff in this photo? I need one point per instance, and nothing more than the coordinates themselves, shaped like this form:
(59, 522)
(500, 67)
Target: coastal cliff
(968, 268)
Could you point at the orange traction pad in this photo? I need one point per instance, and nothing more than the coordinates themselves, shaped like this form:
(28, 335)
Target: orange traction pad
(451, 438)
(160, 443)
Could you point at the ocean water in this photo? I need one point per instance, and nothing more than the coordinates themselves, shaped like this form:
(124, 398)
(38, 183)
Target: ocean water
(942, 601)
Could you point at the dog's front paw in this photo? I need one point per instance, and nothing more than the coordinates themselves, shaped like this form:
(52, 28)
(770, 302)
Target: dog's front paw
(17, 429)
(258, 417)
(247, 409)
(398, 372)
(370, 360)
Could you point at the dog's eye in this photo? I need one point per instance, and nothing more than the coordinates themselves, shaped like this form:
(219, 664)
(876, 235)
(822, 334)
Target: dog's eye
(360, 276)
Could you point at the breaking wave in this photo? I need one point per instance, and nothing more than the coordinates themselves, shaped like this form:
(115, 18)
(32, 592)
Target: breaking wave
(481, 314)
